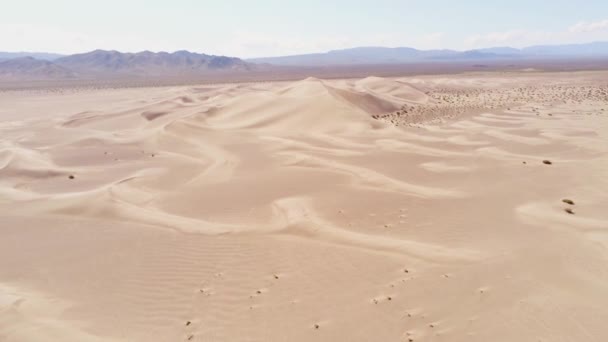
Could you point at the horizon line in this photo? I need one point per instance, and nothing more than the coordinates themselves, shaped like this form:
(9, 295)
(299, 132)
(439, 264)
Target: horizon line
(301, 54)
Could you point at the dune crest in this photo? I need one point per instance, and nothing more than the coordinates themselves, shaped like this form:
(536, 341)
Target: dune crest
(464, 207)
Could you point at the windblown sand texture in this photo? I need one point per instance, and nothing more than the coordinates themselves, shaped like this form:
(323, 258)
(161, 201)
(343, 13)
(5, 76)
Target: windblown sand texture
(380, 209)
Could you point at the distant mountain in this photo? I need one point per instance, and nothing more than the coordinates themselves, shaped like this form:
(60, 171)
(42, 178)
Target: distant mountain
(505, 51)
(37, 55)
(102, 64)
(371, 55)
(359, 55)
(586, 50)
(114, 64)
(383, 55)
(149, 63)
(28, 68)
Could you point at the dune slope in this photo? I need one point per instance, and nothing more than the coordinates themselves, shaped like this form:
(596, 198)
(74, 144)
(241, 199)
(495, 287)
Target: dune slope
(456, 208)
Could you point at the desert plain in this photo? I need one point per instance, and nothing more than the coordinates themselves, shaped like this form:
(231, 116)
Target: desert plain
(462, 207)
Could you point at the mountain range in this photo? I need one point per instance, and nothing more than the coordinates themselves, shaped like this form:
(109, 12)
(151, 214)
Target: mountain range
(113, 64)
(384, 55)
(101, 63)
(26, 68)
(37, 55)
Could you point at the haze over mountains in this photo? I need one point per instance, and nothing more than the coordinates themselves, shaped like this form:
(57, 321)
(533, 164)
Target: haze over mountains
(25, 68)
(114, 64)
(118, 64)
(37, 55)
(383, 55)
(148, 62)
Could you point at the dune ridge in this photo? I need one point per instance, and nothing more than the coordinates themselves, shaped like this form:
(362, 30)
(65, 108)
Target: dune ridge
(429, 208)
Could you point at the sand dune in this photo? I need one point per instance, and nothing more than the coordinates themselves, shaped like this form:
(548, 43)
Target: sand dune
(442, 208)
(395, 89)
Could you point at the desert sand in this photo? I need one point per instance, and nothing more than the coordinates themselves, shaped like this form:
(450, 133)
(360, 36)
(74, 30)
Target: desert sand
(464, 207)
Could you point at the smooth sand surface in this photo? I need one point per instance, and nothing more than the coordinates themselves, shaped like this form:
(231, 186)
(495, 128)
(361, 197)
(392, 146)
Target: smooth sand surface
(378, 209)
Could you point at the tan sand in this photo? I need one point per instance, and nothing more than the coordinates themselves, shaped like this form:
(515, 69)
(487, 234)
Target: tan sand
(377, 209)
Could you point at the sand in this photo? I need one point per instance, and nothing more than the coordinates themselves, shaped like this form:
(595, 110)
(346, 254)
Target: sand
(374, 209)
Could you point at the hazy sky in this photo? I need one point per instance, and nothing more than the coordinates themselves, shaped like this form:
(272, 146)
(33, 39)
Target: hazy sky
(273, 27)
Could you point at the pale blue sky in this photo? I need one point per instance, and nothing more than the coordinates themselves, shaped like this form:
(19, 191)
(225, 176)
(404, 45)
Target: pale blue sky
(273, 27)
